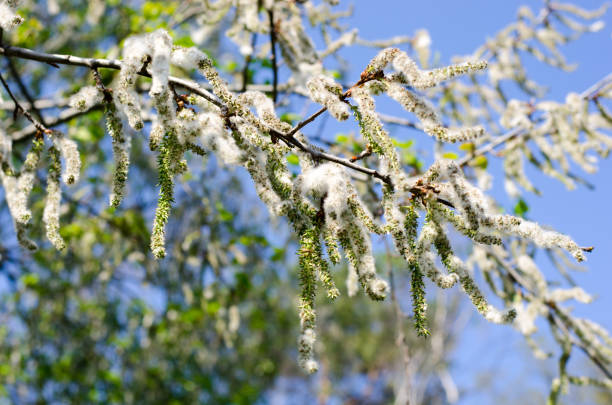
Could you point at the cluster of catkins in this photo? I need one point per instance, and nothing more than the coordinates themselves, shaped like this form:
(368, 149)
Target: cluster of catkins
(550, 134)
(321, 202)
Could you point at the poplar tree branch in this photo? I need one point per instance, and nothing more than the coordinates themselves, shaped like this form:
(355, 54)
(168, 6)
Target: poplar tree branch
(92, 63)
(588, 94)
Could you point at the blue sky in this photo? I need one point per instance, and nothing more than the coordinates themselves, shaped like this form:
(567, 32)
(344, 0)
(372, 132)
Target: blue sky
(457, 28)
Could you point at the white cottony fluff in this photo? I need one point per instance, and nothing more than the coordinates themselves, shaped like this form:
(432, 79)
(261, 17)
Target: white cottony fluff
(352, 281)
(409, 73)
(51, 213)
(526, 315)
(214, 137)
(136, 50)
(161, 45)
(16, 199)
(429, 118)
(531, 230)
(575, 293)
(187, 58)
(86, 98)
(6, 147)
(325, 91)
(9, 19)
(329, 180)
(70, 153)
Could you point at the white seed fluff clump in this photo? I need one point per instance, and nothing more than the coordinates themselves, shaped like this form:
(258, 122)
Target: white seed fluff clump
(325, 91)
(51, 213)
(135, 53)
(86, 98)
(70, 153)
(330, 182)
(9, 19)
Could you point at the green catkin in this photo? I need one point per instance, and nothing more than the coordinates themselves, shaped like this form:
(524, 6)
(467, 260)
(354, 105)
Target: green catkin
(460, 225)
(308, 263)
(560, 384)
(394, 226)
(365, 131)
(29, 167)
(444, 249)
(166, 196)
(322, 266)
(120, 153)
(417, 285)
(359, 212)
(197, 149)
(331, 244)
(419, 302)
(33, 157)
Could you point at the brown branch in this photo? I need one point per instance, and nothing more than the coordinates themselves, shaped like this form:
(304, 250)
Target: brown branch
(64, 116)
(273, 55)
(365, 77)
(94, 63)
(364, 154)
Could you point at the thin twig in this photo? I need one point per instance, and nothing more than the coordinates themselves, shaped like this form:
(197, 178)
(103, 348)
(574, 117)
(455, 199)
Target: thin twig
(24, 90)
(273, 55)
(364, 154)
(65, 116)
(247, 62)
(586, 350)
(554, 312)
(20, 109)
(40, 104)
(307, 121)
(365, 77)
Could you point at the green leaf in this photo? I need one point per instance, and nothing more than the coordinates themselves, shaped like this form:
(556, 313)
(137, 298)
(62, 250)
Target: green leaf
(450, 155)
(335, 74)
(341, 138)
(521, 208)
(468, 147)
(30, 279)
(231, 66)
(412, 160)
(480, 161)
(224, 214)
(212, 307)
(403, 145)
(290, 118)
(71, 231)
(185, 41)
(293, 159)
(279, 254)
(151, 10)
